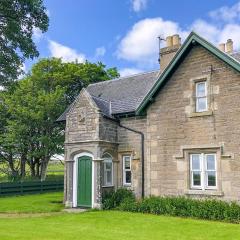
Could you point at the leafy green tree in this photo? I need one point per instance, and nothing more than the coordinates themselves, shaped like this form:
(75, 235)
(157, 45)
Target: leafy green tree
(18, 20)
(71, 76)
(32, 130)
(31, 134)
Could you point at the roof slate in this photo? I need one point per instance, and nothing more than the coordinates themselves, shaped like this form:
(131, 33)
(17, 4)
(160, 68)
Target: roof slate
(121, 95)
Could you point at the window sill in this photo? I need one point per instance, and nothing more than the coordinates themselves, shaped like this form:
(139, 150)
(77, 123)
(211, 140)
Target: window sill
(201, 114)
(210, 192)
(108, 186)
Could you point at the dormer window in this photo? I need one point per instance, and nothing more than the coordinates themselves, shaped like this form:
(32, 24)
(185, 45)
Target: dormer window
(201, 96)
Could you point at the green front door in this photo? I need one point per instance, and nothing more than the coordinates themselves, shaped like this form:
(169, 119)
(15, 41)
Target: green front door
(84, 193)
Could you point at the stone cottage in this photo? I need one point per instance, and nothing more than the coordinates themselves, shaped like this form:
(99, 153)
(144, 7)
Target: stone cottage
(174, 131)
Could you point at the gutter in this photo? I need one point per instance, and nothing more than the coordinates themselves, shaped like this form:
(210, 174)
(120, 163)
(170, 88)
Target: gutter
(142, 151)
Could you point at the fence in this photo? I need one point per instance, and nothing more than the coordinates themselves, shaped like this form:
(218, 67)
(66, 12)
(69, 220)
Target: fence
(21, 188)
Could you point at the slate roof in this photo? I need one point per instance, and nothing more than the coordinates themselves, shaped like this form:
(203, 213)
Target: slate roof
(121, 95)
(126, 93)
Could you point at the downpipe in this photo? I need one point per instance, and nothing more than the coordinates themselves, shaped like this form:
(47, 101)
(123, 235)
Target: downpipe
(142, 151)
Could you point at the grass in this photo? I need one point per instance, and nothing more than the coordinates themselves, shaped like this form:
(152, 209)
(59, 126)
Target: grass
(40, 203)
(101, 225)
(114, 225)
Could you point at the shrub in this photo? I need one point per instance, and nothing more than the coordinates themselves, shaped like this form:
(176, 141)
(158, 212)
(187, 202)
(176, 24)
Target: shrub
(113, 199)
(209, 209)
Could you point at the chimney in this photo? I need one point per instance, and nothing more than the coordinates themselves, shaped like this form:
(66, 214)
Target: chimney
(229, 46)
(173, 43)
(221, 46)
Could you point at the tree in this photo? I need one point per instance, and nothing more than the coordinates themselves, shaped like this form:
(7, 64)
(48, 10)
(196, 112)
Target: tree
(32, 131)
(18, 21)
(71, 76)
(31, 135)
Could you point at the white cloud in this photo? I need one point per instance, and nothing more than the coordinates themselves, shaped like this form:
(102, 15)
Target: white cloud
(66, 53)
(100, 52)
(129, 71)
(206, 30)
(37, 34)
(226, 13)
(216, 34)
(139, 5)
(140, 43)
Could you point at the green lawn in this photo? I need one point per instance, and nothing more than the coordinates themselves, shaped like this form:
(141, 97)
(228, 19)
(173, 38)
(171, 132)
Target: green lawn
(101, 225)
(40, 203)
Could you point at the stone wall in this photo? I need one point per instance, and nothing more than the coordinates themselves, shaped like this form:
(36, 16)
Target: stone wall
(174, 130)
(83, 120)
(130, 143)
(107, 129)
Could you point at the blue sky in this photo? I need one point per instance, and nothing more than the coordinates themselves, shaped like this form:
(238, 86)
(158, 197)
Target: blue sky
(123, 33)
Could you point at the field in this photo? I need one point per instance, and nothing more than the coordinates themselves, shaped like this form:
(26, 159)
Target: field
(41, 217)
(55, 171)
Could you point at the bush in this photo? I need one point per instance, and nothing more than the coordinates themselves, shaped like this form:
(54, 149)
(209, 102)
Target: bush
(185, 207)
(112, 200)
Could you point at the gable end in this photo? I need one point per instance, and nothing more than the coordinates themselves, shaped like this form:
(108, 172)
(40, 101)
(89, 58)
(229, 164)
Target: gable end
(192, 40)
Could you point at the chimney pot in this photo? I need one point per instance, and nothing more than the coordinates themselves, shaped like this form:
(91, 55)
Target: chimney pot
(221, 46)
(229, 46)
(169, 41)
(176, 39)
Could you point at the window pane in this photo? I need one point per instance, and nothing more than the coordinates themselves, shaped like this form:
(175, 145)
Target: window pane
(201, 104)
(109, 177)
(196, 178)
(210, 162)
(108, 166)
(211, 179)
(128, 177)
(127, 163)
(196, 162)
(201, 89)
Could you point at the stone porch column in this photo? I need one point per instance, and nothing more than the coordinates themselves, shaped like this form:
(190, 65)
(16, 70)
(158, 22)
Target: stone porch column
(97, 183)
(68, 183)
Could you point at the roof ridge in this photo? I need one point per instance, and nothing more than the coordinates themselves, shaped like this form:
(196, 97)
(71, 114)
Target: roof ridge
(121, 78)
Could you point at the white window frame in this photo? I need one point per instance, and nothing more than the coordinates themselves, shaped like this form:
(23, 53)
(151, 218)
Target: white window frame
(127, 170)
(200, 97)
(107, 160)
(203, 171)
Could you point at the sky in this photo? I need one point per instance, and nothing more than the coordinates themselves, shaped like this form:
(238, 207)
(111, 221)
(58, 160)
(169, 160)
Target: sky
(123, 33)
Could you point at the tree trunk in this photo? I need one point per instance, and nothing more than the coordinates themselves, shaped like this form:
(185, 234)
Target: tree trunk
(44, 165)
(38, 168)
(32, 168)
(23, 161)
(14, 172)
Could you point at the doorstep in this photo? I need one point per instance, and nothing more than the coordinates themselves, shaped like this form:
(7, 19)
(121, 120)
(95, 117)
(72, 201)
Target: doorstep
(75, 210)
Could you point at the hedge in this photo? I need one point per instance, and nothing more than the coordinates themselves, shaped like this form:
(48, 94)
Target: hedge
(208, 209)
